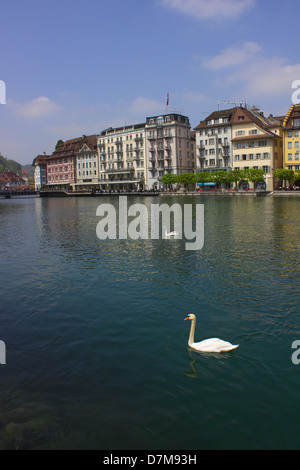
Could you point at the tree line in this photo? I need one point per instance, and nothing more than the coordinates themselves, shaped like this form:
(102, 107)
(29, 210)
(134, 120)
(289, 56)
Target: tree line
(254, 175)
(9, 165)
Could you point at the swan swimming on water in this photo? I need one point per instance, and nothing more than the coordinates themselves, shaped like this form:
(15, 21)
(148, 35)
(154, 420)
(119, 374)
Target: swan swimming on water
(208, 345)
(170, 234)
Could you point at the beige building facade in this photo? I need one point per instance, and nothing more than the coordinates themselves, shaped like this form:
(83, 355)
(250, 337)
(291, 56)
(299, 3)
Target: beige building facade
(122, 158)
(256, 143)
(169, 147)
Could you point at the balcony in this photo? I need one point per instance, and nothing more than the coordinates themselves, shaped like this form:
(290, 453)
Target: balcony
(119, 170)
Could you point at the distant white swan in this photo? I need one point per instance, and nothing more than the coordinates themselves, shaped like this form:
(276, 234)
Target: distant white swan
(170, 234)
(208, 345)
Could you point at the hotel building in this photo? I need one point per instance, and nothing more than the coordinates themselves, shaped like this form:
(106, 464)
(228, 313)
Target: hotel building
(122, 158)
(169, 147)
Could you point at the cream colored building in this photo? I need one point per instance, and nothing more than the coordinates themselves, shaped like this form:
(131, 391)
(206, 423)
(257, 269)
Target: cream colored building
(122, 164)
(87, 163)
(170, 147)
(256, 143)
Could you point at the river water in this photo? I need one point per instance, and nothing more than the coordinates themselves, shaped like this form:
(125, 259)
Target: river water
(96, 345)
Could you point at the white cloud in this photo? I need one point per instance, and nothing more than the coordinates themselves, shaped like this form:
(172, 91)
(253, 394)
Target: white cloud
(208, 9)
(268, 76)
(232, 56)
(194, 97)
(146, 106)
(37, 108)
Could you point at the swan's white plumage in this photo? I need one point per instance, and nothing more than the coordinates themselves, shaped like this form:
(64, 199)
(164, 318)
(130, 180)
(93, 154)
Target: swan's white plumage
(208, 345)
(170, 234)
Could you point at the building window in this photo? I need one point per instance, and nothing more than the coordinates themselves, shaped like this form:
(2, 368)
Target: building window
(290, 156)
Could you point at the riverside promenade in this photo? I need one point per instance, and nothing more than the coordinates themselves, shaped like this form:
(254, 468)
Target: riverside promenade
(207, 193)
(230, 193)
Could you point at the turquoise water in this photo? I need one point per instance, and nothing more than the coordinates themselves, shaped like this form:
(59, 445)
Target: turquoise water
(96, 345)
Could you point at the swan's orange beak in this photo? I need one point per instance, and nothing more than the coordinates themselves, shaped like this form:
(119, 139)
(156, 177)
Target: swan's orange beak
(187, 318)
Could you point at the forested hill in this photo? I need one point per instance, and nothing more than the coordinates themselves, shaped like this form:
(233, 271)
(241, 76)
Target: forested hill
(15, 167)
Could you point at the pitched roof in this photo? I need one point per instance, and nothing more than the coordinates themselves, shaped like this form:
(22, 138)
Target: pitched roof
(39, 159)
(238, 115)
(216, 115)
(253, 137)
(293, 113)
(8, 176)
(71, 146)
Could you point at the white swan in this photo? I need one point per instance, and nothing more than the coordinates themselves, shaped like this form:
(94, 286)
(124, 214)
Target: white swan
(170, 234)
(208, 345)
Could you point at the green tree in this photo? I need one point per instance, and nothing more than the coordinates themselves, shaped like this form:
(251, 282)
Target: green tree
(201, 177)
(169, 179)
(296, 176)
(219, 177)
(254, 175)
(186, 179)
(234, 176)
(284, 174)
(59, 142)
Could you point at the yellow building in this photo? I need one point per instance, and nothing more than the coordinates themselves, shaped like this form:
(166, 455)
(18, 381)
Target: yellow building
(256, 143)
(291, 140)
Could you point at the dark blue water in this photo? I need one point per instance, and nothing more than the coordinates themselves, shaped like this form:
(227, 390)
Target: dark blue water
(97, 354)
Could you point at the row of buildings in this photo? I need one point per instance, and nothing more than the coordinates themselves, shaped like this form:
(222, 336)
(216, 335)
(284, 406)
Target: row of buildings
(137, 156)
(9, 179)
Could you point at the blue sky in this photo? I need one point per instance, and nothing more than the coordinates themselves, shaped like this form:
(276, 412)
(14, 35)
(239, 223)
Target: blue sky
(77, 67)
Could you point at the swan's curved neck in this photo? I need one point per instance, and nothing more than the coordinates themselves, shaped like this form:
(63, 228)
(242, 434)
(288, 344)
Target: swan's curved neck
(192, 332)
